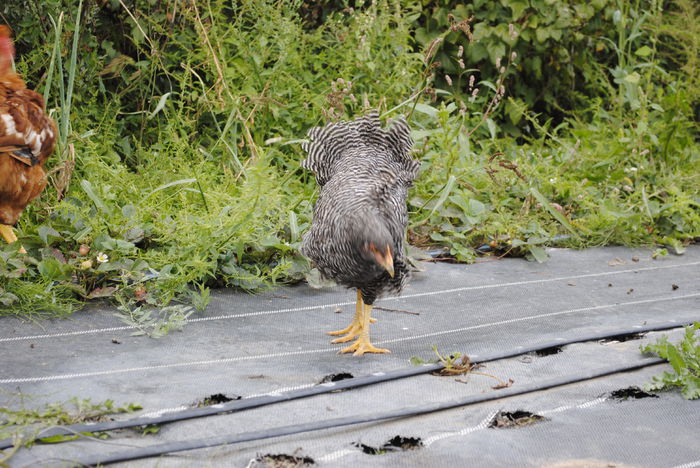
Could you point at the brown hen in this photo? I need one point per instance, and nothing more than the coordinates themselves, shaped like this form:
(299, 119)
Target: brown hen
(27, 139)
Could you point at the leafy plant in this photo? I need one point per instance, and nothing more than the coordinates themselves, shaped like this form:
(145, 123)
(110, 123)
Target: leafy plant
(178, 168)
(556, 41)
(684, 358)
(14, 423)
(456, 364)
(155, 323)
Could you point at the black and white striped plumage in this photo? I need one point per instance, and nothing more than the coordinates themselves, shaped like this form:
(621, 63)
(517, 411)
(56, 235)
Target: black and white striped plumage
(364, 173)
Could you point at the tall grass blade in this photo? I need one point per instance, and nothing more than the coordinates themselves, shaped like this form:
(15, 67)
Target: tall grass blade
(548, 206)
(58, 29)
(170, 184)
(65, 122)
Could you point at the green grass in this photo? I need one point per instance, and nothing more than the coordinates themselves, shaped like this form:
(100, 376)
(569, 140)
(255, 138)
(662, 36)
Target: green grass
(177, 168)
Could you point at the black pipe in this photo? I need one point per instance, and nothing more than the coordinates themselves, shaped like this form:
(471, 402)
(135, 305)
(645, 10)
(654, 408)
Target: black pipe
(256, 402)
(180, 446)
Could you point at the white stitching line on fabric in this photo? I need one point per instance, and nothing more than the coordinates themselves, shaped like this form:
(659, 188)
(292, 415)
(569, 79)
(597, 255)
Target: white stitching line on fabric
(693, 464)
(160, 366)
(549, 314)
(279, 391)
(316, 351)
(468, 430)
(584, 405)
(335, 304)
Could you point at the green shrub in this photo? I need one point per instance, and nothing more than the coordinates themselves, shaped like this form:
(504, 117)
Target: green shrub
(178, 163)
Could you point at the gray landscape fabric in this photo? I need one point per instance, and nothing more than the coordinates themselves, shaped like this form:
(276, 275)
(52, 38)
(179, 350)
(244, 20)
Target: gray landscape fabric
(273, 344)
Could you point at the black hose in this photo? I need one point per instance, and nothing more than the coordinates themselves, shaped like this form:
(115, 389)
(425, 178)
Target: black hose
(256, 402)
(180, 446)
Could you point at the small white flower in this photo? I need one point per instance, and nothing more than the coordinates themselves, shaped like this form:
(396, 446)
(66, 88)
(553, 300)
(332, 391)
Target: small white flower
(102, 257)
(512, 32)
(552, 180)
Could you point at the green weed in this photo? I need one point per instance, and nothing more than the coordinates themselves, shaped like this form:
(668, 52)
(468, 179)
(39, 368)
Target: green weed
(25, 425)
(684, 358)
(177, 169)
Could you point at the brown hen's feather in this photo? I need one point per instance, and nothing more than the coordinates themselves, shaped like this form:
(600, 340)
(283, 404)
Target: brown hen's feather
(27, 138)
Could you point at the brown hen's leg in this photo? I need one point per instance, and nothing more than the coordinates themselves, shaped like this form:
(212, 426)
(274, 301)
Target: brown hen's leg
(362, 345)
(355, 326)
(9, 236)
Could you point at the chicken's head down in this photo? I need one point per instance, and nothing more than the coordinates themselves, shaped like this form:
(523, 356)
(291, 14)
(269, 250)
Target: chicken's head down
(374, 245)
(7, 51)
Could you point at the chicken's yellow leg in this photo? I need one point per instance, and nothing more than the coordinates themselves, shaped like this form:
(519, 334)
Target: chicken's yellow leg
(362, 345)
(355, 326)
(9, 236)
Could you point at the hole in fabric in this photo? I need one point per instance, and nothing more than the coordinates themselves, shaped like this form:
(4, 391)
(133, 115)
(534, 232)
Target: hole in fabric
(548, 351)
(630, 393)
(504, 419)
(395, 444)
(282, 460)
(214, 399)
(336, 377)
(623, 337)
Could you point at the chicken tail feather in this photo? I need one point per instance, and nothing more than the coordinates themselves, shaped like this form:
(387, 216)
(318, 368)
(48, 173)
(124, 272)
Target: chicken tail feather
(328, 144)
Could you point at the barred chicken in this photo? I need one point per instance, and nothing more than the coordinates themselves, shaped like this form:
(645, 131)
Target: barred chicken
(360, 217)
(27, 139)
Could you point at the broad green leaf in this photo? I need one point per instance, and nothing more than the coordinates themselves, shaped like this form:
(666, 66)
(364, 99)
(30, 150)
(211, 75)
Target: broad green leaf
(493, 129)
(426, 109)
(445, 193)
(53, 270)
(691, 390)
(515, 109)
(633, 78)
(46, 231)
(538, 253)
(90, 192)
(128, 211)
(644, 51)
(416, 361)
(674, 358)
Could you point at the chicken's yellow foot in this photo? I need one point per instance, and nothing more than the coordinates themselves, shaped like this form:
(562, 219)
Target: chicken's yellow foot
(362, 345)
(9, 236)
